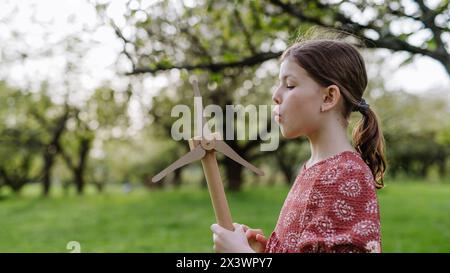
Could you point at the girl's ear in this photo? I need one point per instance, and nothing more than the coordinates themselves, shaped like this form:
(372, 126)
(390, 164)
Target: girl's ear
(330, 97)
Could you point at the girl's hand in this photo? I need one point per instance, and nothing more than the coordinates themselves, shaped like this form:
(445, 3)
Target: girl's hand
(226, 241)
(256, 239)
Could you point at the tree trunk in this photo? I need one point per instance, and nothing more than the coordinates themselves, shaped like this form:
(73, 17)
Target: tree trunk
(51, 150)
(234, 174)
(442, 168)
(79, 171)
(49, 154)
(177, 178)
(285, 169)
(79, 181)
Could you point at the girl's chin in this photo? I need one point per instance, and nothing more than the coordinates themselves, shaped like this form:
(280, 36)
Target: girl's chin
(289, 134)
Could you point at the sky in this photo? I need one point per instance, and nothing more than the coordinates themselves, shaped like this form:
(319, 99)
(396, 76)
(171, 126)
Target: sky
(63, 18)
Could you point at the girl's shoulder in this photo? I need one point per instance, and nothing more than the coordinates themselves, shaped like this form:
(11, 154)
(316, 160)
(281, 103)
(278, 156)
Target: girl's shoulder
(348, 161)
(351, 164)
(345, 168)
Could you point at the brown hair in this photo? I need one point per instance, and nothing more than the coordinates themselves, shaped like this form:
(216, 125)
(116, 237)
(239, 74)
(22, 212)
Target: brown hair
(334, 61)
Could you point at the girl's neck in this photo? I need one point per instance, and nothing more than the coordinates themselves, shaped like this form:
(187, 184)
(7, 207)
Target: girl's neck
(329, 140)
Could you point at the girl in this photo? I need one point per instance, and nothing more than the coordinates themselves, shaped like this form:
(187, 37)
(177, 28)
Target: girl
(332, 205)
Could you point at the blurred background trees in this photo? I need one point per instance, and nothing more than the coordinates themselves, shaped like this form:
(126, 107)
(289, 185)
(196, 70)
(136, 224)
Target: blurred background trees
(73, 137)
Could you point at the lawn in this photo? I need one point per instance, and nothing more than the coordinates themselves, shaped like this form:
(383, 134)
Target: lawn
(415, 218)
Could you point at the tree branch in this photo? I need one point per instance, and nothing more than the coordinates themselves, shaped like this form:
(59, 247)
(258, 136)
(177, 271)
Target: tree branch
(214, 67)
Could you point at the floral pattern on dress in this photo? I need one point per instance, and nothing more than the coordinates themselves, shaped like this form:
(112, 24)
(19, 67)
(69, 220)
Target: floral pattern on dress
(343, 211)
(350, 188)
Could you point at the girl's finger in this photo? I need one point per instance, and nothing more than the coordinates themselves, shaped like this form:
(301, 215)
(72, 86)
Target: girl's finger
(253, 232)
(258, 231)
(250, 234)
(261, 238)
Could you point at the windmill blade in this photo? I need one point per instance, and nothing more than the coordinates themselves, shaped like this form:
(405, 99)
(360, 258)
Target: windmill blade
(194, 155)
(222, 147)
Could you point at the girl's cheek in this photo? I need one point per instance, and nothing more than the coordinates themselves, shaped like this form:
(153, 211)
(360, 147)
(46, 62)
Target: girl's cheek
(293, 100)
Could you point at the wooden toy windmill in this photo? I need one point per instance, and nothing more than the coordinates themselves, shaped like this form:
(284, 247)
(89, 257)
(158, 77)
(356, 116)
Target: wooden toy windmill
(203, 147)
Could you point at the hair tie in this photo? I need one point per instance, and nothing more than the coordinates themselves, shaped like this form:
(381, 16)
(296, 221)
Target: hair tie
(362, 107)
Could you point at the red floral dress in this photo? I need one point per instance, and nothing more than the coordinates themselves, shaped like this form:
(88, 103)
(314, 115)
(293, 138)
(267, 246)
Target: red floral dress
(331, 207)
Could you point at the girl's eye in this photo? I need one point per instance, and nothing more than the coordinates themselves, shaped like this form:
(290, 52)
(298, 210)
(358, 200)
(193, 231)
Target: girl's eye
(290, 87)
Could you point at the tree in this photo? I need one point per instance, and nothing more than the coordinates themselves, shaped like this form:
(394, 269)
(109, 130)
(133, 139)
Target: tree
(25, 142)
(80, 145)
(94, 120)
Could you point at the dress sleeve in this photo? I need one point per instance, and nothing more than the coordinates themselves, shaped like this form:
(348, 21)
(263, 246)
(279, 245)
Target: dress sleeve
(343, 213)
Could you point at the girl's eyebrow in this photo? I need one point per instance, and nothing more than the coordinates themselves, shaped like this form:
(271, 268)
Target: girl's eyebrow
(286, 76)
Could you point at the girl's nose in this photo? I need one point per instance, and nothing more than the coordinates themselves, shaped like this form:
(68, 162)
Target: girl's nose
(276, 97)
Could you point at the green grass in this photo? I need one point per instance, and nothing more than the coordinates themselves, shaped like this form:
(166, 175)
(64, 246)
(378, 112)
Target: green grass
(415, 218)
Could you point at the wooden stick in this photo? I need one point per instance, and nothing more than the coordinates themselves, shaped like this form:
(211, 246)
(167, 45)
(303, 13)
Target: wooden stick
(215, 185)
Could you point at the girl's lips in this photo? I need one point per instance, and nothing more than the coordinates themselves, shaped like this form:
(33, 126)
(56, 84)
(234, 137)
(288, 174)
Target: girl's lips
(276, 111)
(277, 114)
(278, 118)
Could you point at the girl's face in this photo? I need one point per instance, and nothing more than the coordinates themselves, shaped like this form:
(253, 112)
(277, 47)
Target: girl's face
(298, 100)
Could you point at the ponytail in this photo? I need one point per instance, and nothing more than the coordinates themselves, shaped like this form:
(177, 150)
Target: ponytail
(368, 140)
